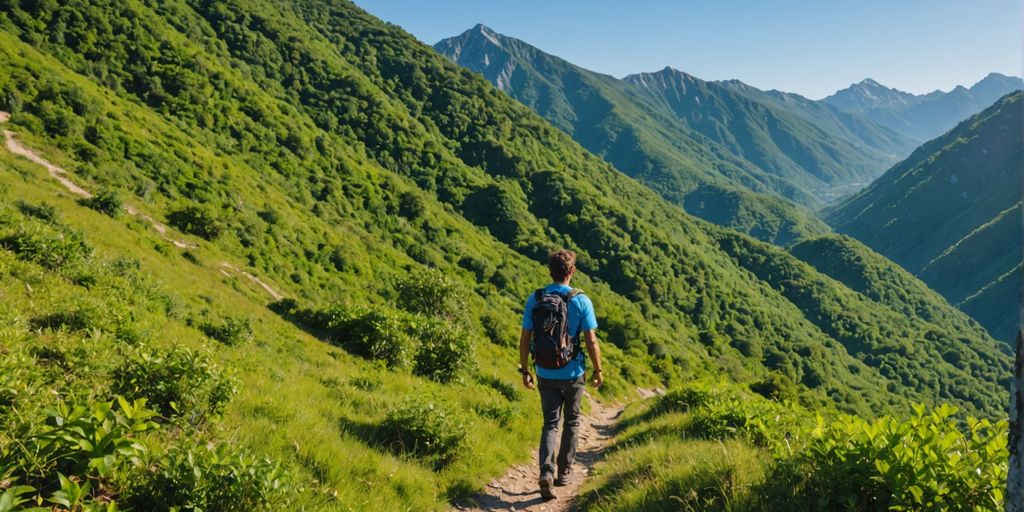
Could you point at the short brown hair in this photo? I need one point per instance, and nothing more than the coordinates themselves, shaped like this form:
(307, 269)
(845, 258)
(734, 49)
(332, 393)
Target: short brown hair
(561, 263)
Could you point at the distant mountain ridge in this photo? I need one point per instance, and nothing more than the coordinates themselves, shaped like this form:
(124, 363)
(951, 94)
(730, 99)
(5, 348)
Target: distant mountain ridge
(924, 116)
(951, 214)
(690, 156)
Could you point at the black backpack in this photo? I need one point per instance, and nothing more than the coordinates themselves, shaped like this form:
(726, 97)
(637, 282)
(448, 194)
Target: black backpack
(551, 347)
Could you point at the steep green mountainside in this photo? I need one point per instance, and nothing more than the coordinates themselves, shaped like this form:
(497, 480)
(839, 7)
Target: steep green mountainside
(950, 214)
(404, 205)
(843, 125)
(925, 116)
(620, 123)
(780, 142)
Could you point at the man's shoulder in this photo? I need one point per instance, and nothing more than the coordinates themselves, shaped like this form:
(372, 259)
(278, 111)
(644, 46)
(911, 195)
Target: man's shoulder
(581, 298)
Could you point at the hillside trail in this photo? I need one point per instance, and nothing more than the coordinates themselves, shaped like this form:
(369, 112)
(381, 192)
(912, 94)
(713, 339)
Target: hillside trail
(59, 174)
(517, 489)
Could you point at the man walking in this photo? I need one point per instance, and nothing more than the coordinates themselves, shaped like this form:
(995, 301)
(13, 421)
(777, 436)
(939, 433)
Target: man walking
(555, 319)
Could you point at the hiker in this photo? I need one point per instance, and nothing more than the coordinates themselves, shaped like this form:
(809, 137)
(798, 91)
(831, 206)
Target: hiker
(554, 321)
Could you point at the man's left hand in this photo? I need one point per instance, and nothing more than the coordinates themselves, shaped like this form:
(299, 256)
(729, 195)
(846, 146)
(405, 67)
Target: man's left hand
(597, 380)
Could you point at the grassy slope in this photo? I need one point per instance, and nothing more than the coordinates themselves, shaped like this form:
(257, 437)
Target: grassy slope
(950, 213)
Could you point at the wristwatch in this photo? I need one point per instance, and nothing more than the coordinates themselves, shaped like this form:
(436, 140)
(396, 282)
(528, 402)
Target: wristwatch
(524, 371)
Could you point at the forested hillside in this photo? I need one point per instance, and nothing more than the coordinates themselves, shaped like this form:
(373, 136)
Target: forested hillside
(640, 137)
(403, 206)
(950, 214)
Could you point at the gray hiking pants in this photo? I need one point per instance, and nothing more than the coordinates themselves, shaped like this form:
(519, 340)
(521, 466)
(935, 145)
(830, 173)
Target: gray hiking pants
(557, 396)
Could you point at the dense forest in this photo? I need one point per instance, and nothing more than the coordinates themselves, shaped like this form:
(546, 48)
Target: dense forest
(402, 205)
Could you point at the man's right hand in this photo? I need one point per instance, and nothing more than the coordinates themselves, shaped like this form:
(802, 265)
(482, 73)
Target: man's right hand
(527, 381)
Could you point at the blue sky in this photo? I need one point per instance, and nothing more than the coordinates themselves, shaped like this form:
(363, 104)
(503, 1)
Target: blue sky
(804, 46)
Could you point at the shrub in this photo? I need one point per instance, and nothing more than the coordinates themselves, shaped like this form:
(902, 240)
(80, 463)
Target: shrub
(690, 396)
(430, 292)
(106, 201)
(229, 330)
(201, 476)
(198, 221)
(425, 430)
(445, 351)
(81, 437)
(43, 211)
(375, 333)
(177, 383)
(922, 463)
(51, 248)
(776, 386)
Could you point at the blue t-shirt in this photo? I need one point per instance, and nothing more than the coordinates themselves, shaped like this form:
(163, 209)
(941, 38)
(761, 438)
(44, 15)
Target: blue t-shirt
(581, 319)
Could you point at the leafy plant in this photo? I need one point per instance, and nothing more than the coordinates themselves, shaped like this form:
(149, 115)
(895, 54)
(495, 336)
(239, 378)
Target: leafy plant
(196, 476)
(229, 330)
(52, 248)
(924, 462)
(424, 429)
(106, 201)
(430, 292)
(376, 333)
(177, 383)
(196, 220)
(445, 351)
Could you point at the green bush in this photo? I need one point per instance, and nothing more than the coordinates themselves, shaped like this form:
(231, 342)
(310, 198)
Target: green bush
(43, 211)
(229, 330)
(430, 292)
(86, 437)
(374, 333)
(690, 396)
(445, 351)
(49, 247)
(196, 220)
(425, 430)
(196, 476)
(925, 462)
(177, 383)
(106, 201)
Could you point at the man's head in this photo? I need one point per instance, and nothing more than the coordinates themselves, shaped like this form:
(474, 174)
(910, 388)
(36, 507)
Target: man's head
(562, 265)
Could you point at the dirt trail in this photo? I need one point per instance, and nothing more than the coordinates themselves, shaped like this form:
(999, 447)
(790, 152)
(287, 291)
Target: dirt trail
(259, 282)
(518, 490)
(61, 176)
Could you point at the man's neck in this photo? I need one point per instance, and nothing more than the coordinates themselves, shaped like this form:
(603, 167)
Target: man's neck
(563, 283)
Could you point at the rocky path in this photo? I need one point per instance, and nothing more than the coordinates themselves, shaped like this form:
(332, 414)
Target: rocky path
(517, 489)
(61, 176)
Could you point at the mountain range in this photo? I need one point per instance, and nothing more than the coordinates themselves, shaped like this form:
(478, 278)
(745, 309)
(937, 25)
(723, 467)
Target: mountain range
(951, 214)
(704, 145)
(922, 117)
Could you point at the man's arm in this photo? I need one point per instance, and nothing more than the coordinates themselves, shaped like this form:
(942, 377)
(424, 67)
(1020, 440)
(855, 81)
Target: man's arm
(595, 355)
(524, 357)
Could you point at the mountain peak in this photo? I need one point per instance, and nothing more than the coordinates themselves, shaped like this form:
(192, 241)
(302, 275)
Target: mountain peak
(868, 82)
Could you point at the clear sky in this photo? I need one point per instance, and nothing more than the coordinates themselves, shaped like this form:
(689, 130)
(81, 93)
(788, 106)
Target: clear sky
(812, 47)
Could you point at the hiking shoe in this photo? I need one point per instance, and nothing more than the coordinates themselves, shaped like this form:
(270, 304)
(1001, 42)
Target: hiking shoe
(546, 484)
(564, 477)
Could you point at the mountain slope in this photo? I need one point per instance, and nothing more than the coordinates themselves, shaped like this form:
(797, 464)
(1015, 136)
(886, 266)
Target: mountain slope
(951, 214)
(926, 116)
(843, 125)
(777, 141)
(334, 156)
(619, 123)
